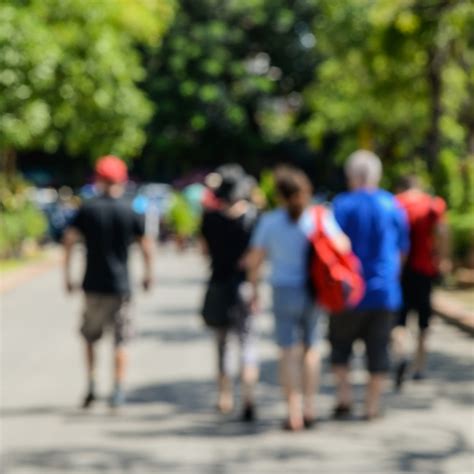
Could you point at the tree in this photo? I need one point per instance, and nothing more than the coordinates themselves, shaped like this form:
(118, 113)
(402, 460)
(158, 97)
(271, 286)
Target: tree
(227, 79)
(69, 71)
(396, 77)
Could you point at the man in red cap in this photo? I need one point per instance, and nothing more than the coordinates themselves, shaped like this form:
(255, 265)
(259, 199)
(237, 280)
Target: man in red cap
(108, 226)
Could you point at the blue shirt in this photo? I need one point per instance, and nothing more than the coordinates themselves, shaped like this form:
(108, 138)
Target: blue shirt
(378, 230)
(286, 245)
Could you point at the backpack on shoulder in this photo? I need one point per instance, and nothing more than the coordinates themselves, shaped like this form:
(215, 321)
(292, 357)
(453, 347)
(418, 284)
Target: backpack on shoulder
(335, 277)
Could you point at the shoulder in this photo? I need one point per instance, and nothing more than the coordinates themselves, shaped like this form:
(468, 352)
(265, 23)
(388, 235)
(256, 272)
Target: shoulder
(439, 205)
(342, 198)
(272, 218)
(387, 200)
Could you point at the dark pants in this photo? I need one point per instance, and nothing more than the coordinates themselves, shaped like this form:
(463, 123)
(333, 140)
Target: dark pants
(417, 290)
(373, 327)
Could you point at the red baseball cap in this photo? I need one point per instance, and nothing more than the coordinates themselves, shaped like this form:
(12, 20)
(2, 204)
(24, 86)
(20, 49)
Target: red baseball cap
(111, 169)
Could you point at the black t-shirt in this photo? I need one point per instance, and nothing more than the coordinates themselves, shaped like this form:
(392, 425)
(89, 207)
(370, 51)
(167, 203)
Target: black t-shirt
(109, 226)
(227, 239)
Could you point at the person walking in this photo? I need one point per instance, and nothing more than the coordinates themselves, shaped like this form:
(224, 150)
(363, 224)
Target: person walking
(378, 230)
(282, 237)
(108, 226)
(428, 258)
(225, 232)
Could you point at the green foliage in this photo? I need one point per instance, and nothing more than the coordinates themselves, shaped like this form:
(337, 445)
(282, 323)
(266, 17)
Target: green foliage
(374, 87)
(181, 218)
(462, 232)
(448, 180)
(227, 79)
(19, 218)
(69, 71)
(267, 187)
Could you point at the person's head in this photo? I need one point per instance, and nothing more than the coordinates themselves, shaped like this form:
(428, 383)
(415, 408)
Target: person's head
(363, 170)
(233, 184)
(293, 189)
(408, 182)
(111, 174)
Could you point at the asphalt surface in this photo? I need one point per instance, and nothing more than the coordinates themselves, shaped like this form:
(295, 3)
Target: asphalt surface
(170, 424)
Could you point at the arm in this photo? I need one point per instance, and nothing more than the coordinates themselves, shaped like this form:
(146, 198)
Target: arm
(203, 247)
(71, 236)
(146, 246)
(443, 247)
(252, 262)
(403, 234)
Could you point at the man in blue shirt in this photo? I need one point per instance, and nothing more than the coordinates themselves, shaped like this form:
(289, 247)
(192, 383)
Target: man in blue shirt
(378, 230)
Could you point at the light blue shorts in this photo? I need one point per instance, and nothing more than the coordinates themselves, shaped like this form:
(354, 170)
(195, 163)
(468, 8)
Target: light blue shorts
(297, 318)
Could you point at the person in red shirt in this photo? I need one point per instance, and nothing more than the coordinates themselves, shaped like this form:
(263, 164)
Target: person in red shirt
(428, 258)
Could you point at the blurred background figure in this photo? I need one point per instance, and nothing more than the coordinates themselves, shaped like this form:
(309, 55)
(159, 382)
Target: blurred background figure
(282, 237)
(378, 231)
(226, 228)
(108, 226)
(429, 257)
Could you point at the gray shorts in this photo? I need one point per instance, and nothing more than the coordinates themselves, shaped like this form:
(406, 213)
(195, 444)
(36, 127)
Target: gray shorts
(297, 318)
(102, 311)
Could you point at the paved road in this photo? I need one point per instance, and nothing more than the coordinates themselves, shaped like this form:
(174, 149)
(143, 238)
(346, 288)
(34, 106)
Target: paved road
(170, 424)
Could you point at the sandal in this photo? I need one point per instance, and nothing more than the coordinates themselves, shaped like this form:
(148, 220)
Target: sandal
(309, 422)
(286, 426)
(342, 411)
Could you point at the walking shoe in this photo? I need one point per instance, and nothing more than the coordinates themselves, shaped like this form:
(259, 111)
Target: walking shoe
(117, 399)
(89, 400)
(248, 414)
(400, 375)
(418, 376)
(342, 412)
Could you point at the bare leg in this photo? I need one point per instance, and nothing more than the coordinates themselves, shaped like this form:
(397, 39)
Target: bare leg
(399, 338)
(225, 401)
(120, 364)
(249, 379)
(420, 358)
(90, 361)
(374, 392)
(344, 389)
(290, 377)
(90, 368)
(311, 368)
(399, 343)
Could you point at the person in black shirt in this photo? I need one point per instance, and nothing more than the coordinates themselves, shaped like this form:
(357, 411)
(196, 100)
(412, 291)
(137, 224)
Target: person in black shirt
(108, 226)
(226, 234)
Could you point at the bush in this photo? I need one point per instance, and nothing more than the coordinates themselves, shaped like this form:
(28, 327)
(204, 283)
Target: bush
(20, 220)
(181, 218)
(462, 231)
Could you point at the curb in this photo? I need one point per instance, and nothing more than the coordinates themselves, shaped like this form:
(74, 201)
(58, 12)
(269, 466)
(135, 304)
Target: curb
(449, 309)
(15, 278)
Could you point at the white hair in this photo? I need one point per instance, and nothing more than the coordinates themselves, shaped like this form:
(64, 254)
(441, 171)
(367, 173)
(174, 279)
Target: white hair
(364, 168)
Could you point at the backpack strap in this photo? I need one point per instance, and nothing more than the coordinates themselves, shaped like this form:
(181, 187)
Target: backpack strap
(319, 212)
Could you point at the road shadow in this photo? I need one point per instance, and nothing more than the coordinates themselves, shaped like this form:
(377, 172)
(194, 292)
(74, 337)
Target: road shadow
(433, 461)
(180, 282)
(175, 335)
(84, 459)
(108, 460)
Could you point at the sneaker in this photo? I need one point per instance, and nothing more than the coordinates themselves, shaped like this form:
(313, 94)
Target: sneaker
(418, 376)
(117, 399)
(89, 400)
(400, 375)
(342, 412)
(248, 414)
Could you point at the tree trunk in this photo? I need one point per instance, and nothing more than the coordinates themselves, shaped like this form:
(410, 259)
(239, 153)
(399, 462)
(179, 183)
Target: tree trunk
(433, 141)
(8, 162)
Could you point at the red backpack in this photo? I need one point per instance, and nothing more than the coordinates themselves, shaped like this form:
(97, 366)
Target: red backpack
(335, 277)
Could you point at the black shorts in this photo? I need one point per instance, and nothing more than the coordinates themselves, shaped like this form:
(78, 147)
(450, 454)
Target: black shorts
(417, 290)
(373, 327)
